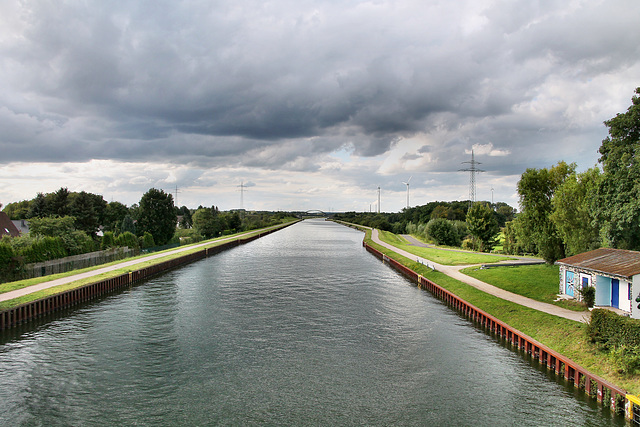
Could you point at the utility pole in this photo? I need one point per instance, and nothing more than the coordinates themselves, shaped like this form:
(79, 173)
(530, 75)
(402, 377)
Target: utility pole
(176, 192)
(242, 190)
(472, 169)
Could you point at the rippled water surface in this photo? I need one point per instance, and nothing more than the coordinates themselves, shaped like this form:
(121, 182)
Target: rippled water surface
(301, 327)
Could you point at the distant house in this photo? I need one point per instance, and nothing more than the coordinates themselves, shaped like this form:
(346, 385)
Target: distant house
(615, 273)
(7, 228)
(22, 225)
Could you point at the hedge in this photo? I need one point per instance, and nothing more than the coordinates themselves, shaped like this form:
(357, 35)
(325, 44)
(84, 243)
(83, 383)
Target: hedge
(612, 330)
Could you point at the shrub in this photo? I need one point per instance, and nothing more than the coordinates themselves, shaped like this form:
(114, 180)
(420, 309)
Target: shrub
(588, 295)
(10, 263)
(45, 249)
(108, 241)
(618, 334)
(147, 240)
(127, 239)
(443, 232)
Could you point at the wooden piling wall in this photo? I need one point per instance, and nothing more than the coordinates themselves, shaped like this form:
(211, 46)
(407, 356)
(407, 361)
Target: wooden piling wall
(582, 379)
(27, 312)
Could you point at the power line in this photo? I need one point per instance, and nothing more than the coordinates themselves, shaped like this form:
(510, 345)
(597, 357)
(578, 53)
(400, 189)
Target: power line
(242, 190)
(176, 193)
(472, 169)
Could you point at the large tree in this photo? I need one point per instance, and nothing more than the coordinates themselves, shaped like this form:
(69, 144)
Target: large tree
(206, 222)
(88, 209)
(572, 213)
(618, 201)
(483, 226)
(114, 214)
(536, 189)
(157, 215)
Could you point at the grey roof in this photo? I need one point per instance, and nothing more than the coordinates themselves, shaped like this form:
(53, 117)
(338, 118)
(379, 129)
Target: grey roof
(618, 262)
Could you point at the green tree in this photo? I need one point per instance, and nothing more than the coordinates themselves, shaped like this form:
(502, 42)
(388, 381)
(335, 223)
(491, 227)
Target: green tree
(186, 221)
(206, 223)
(504, 213)
(128, 225)
(147, 240)
(443, 232)
(52, 226)
(617, 204)
(128, 239)
(572, 213)
(157, 216)
(108, 241)
(83, 208)
(17, 210)
(114, 214)
(483, 226)
(58, 202)
(38, 207)
(536, 189)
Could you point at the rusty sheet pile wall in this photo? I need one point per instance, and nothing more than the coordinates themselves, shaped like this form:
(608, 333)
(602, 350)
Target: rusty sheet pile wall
(582, 379)
(35, 309)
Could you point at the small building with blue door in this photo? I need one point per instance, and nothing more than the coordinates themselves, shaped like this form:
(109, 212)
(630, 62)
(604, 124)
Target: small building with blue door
(615, 274)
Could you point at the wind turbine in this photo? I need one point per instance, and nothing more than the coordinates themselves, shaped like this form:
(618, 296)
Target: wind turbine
(407, 184)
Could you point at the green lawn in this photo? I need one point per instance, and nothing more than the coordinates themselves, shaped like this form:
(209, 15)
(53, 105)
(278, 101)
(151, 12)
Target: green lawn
(538, 282)
(563, 335)
(441, 256)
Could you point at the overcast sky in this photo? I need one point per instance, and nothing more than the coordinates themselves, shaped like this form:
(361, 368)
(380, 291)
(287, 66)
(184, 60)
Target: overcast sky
(308, 104)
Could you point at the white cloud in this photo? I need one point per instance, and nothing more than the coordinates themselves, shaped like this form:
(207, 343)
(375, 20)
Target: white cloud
(339, 97)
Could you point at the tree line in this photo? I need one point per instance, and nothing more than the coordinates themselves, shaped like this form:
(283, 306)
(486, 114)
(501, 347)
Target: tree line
(563, 212)
(65, 223)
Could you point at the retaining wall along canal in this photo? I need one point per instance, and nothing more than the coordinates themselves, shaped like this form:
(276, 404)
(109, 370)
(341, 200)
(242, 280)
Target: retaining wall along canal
(591, 384)
(27, 312)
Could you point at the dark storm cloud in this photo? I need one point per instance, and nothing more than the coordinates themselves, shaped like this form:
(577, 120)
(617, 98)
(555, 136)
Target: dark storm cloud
(275, 84)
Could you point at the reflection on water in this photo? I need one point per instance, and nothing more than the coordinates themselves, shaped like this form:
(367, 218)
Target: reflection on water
(301, 327)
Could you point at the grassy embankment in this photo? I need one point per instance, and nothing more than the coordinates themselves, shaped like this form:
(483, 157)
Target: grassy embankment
(564, 336)
(187, 249)
(538, 282)
(441, 256)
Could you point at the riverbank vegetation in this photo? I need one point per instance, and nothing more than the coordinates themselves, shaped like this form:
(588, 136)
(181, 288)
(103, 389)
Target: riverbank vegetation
(564, 212)
(64, 223)
(159, 257)
(564, 336)
(439, 255)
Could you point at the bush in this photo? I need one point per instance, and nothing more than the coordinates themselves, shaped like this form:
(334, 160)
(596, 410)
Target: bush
(108, 241)
(443, 232)
(588, 295)
(147, 240)
(127, 239)
(45, 249)
(10, 263)
(618, 334)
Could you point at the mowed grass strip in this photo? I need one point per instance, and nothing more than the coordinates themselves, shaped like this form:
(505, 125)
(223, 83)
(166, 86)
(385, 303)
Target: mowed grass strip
(440, 256)
(562, 335)
(539, 282)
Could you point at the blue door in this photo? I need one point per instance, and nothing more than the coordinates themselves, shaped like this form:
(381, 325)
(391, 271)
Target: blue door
(615, 293)
(568, 283)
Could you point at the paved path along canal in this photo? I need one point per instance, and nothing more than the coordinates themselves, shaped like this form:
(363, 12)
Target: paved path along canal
(454, 271)
(300, 327)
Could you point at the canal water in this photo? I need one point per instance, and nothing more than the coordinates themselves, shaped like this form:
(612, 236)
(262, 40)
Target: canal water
(301, 327)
